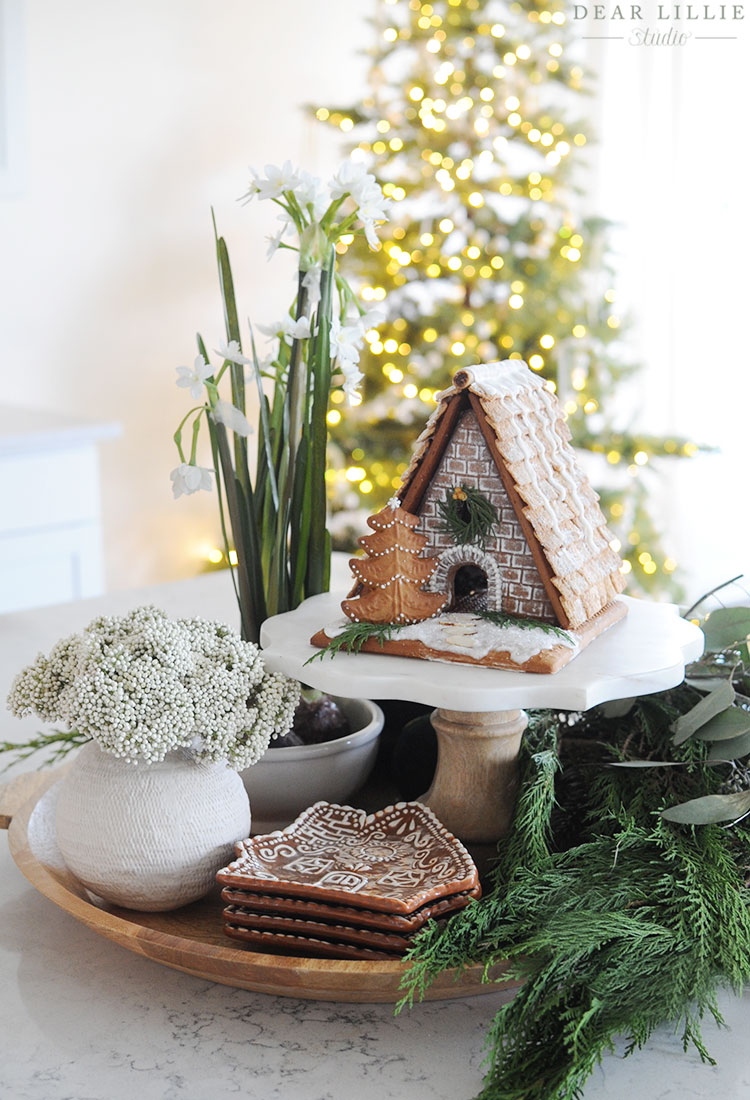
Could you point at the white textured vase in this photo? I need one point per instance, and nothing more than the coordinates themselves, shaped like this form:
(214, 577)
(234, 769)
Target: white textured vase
(149, 836)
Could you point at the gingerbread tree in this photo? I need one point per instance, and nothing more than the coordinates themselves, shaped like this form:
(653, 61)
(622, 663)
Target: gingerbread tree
(390, 579)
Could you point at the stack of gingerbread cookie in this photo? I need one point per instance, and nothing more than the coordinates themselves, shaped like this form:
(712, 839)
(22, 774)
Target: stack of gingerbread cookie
(342, 884)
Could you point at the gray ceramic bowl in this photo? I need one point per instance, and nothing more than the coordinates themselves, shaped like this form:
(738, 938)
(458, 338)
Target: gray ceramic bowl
(286, 781)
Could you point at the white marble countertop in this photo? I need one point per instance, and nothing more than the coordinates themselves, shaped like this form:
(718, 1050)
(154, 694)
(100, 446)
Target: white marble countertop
(86, 1020)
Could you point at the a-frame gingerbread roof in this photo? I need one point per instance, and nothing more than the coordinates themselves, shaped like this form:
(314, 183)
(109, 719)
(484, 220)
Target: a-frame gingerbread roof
(525, 430)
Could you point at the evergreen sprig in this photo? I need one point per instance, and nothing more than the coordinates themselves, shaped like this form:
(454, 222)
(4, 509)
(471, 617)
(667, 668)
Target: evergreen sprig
(615, 919)
(467, 515)
(353, 637)
(499, 618)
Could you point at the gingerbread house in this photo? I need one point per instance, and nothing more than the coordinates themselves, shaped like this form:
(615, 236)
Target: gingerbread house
(506, 519)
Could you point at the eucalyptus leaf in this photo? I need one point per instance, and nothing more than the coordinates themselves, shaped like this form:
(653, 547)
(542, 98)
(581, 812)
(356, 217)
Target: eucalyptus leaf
(733, 749)
(710, 809)
(647, 764)
(712, 704)
(725, 727)
(726, 627)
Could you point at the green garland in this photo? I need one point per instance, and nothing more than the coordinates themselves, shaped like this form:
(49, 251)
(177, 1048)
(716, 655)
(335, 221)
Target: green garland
(616, 918)
(468, 516)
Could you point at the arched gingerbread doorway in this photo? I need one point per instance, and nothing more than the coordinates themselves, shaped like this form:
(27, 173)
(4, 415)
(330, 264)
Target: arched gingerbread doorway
(471, 577)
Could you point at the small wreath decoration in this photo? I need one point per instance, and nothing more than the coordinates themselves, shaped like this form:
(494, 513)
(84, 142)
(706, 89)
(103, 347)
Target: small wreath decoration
(468, 516)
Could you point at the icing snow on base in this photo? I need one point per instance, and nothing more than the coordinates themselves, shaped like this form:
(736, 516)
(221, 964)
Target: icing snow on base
(472, 636)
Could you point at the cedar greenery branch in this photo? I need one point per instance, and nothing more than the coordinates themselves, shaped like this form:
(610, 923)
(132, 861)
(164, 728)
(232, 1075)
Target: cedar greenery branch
(472, 120)
(277, 517)
(618, 897)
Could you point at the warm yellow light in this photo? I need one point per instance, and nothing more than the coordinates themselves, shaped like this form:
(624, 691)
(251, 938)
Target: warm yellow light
(497, 30)
(590, 407)
(376, 347)
(390, 34)
(555, 49)
(536, 362)
(454, 263)
(482, 126)
(355, 473)
(690, 449)
(485, 271)
(579, 331)
(534, 134)
(322, 113)
(574, 254)
(365, 486)
(445, 225)
(215, 555)
(497, 262)
(515, 301)
(426, 239)
(640, 458)
(615, 545)
(579, 139)
(669, 565)
(570, 407)
(416, 93)
(410, 390)
(644, 556)
(517, 286)
(473, 253)
(613, 457)
(425, 395)
(634, 538)
(509, 58)
(547, 341)
(232, 557)
(430, 335)
(649, 567)
(476, 199)
(433, 270)
(334, 416)
(523, 53)
(338, 397)
(625, 567)
(617, 509)
(487, 94)
(512, 103)
(346, 124)
(613, 322)
(550, 386)
(578, 378)
(458, 348)
(514, 120)
(396, 375)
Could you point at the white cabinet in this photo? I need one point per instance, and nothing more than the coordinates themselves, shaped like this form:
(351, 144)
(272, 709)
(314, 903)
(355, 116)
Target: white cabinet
(50, 512)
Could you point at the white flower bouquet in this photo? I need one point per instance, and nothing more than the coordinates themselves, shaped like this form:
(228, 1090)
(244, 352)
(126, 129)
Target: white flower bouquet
(278, 517)
(142, 685)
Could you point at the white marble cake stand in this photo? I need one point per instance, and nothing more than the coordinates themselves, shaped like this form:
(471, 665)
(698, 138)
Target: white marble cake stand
(479, 720)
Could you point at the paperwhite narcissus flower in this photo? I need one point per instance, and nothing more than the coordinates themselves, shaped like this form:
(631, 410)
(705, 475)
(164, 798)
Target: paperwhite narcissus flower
(231, 351)
(192, 378)
(346, 340)
(224, 412)
(352, 378)
(353, 179)
(311, 192)
(288, 328)
(276, 182)
(189, 479)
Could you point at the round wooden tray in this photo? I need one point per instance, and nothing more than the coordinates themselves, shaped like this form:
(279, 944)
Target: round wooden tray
(191, 939)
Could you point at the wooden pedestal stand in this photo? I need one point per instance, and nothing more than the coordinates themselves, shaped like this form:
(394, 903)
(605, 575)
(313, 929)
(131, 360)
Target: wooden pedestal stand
(479, 720)
(477, 752)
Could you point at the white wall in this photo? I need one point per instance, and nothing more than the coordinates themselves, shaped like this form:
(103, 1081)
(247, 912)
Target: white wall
(140, 116)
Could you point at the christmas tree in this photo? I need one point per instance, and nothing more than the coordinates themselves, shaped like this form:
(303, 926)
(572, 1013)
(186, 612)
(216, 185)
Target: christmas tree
(472, 126)
(391, 577)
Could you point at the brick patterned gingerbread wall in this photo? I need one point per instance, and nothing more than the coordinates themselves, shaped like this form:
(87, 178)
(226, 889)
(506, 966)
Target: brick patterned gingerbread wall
(467, 460)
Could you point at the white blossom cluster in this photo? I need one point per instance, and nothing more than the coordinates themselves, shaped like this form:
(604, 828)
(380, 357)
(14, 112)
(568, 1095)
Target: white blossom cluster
(143, 684)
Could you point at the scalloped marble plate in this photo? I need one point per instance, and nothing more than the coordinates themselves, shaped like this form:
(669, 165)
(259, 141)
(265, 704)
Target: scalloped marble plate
(394, 860)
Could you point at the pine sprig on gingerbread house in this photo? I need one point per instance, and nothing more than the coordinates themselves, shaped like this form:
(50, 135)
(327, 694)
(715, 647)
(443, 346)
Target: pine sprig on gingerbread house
(390, 579)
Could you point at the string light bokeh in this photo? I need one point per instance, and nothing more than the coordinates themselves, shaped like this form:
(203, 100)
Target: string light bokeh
(473, 125)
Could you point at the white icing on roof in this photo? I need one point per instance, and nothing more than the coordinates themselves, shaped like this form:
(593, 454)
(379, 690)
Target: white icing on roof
(505, 378)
